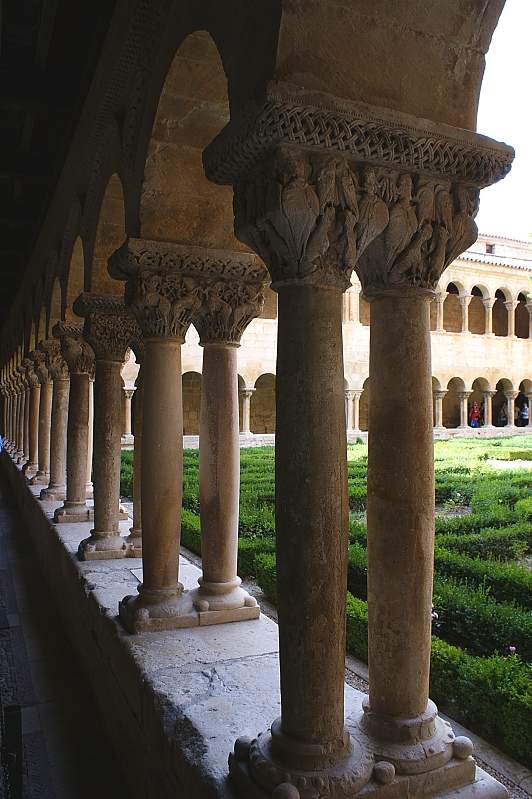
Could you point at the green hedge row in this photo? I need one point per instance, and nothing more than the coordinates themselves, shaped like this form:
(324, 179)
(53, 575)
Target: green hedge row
(467, 616)
(491, 694)
(505, 543)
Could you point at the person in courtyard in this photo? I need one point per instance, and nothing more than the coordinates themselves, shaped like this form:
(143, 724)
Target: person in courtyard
(474, 415)
(524, 415)
(503, 418)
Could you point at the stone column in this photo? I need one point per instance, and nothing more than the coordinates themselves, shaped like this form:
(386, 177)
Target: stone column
(511, 396)
(230, 300)
(80, 359)
(465, 299)
(463, 396)
(439, 299)
(438, 409)
(488, 407)
(26, 423)
(32, 466)
(246, 394)
(312, 215)
(134, 539)
(58, 368)
(127, 394)
(162, 296)
(488, 304)
(89, 488)
(22, 400)
(349, 396)
(356, 410)
(529, 309)
(45, 413)
(510, 306)
(529, 400)
(354, 303)
(109, 329)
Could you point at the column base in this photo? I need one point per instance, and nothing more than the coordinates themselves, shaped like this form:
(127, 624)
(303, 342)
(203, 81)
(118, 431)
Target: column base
(257, 770)
(54, 493)
(41, 478)
(273, 765)
(134, 543)
(218, 603)
(71, 512)
(157, 609)
(102, 546)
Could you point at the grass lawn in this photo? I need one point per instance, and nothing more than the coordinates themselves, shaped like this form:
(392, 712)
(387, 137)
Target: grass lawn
(482, 631)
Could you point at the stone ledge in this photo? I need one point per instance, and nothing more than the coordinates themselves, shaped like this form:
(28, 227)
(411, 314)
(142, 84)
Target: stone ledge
(173, 702)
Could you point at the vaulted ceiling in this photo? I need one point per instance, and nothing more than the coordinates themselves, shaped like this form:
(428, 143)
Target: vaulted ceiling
(48, 53)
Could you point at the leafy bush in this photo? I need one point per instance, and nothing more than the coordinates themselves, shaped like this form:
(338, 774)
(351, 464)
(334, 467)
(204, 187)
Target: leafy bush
(492, 542)
(473, 620)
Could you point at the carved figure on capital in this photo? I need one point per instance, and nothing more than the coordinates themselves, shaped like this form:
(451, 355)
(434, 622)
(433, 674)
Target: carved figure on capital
(226, 309)
(109, 325)
(41, 368)
(57, 366)
(77, 352)
(31, 377)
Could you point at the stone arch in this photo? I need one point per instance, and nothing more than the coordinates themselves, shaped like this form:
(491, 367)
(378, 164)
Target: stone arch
(176, 202)
(75, 279)
(499, 403)
(41, 325)
(110, 234)
(522, 317)
(479, 387)
(500, 313)
(263, 405)
(451, 402)
(523, 401)
(477, 311)
(452, 311)
(191, 403)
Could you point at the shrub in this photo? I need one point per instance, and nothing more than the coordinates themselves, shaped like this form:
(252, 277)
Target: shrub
(473, 620)
(248, 550)
(506, 581)
(357, 627)
(523, 508)
(267, 575)
(190, 531)
(491, 542)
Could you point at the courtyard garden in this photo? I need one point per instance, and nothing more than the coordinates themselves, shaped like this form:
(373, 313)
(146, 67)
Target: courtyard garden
(481, 670)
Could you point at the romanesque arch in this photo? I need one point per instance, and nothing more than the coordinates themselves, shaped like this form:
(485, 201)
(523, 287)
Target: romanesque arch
(452, 312)
(263, 405)
(74, 278)
(451, 402)
(522, 317)
(477, 311)
(500, 312)
(110, 234)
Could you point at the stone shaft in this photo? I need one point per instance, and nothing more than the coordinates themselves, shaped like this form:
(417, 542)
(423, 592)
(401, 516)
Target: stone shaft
(162, 463)
(106, 456)
(35, 395)
(45, 413)
(58, 435)
(311, 513)
(77, 438)
(400, 505)
(219, 464)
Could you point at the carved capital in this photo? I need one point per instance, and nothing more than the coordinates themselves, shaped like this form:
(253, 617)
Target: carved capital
(168, 285)
(77, 352)
(41, 367)
(31, 377)
(57, 366)
(325, 186)
(109, 327)
(128, 392)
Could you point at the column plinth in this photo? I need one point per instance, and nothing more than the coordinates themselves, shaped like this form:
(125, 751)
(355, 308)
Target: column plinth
(228, 306)
(314, 211)
(80, 359)
(109, 329)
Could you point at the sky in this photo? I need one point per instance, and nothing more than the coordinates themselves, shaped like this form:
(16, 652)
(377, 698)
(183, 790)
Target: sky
(505, 113)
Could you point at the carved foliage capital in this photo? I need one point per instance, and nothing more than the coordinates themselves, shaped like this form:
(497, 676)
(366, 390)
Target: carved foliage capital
(57, 366)
(31, 377)
(227, 308)
(77, 352)
(41, 367)
(314, 219)
(109, 325)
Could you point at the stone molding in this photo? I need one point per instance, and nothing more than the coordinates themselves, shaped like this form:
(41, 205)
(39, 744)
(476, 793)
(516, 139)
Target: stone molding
(109, 325)
(379, 136)
(170, 285)
(77, 352)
